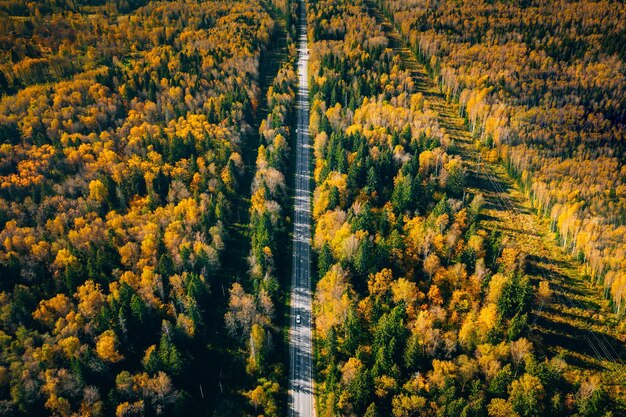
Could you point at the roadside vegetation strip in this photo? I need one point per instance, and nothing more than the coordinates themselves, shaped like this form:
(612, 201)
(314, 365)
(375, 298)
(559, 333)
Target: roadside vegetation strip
(256, 300)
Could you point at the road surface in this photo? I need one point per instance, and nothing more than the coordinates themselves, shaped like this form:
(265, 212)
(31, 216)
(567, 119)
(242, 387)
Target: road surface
(300, 340)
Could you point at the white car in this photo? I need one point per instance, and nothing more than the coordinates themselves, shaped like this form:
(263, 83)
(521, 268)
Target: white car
(298, 319)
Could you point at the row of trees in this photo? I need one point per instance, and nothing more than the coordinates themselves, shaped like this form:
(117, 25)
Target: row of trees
(418, 310)
(544, 82)
(117, 187)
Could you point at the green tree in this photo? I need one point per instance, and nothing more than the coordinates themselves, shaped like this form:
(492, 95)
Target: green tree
(371, 411)
(515, 298)
(401, 198)
(500, 382)
(324, 260)
(526, 396)
(170, 357)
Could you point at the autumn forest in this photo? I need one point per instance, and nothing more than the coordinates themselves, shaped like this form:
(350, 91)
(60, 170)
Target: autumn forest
(467, 176)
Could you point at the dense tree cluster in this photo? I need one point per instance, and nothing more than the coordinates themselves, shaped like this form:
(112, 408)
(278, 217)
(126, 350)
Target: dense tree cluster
(122, 172)
(418, 310)
(544, 82)
(121, 126)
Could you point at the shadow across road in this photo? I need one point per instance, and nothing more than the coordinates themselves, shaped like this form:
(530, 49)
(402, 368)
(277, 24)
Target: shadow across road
(301, 402)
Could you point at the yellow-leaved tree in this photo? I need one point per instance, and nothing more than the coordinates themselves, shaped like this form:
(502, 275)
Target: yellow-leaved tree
(106, 347)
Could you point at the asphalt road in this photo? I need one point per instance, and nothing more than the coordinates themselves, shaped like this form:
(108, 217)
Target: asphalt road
(300, 341)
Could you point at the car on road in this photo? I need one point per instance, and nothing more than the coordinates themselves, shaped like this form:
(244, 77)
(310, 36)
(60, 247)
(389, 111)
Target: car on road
(298, 319)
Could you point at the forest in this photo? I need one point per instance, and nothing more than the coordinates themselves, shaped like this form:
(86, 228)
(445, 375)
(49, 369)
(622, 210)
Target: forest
(418, 309)
(147, 156)
(123, 125)
(543, 84)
